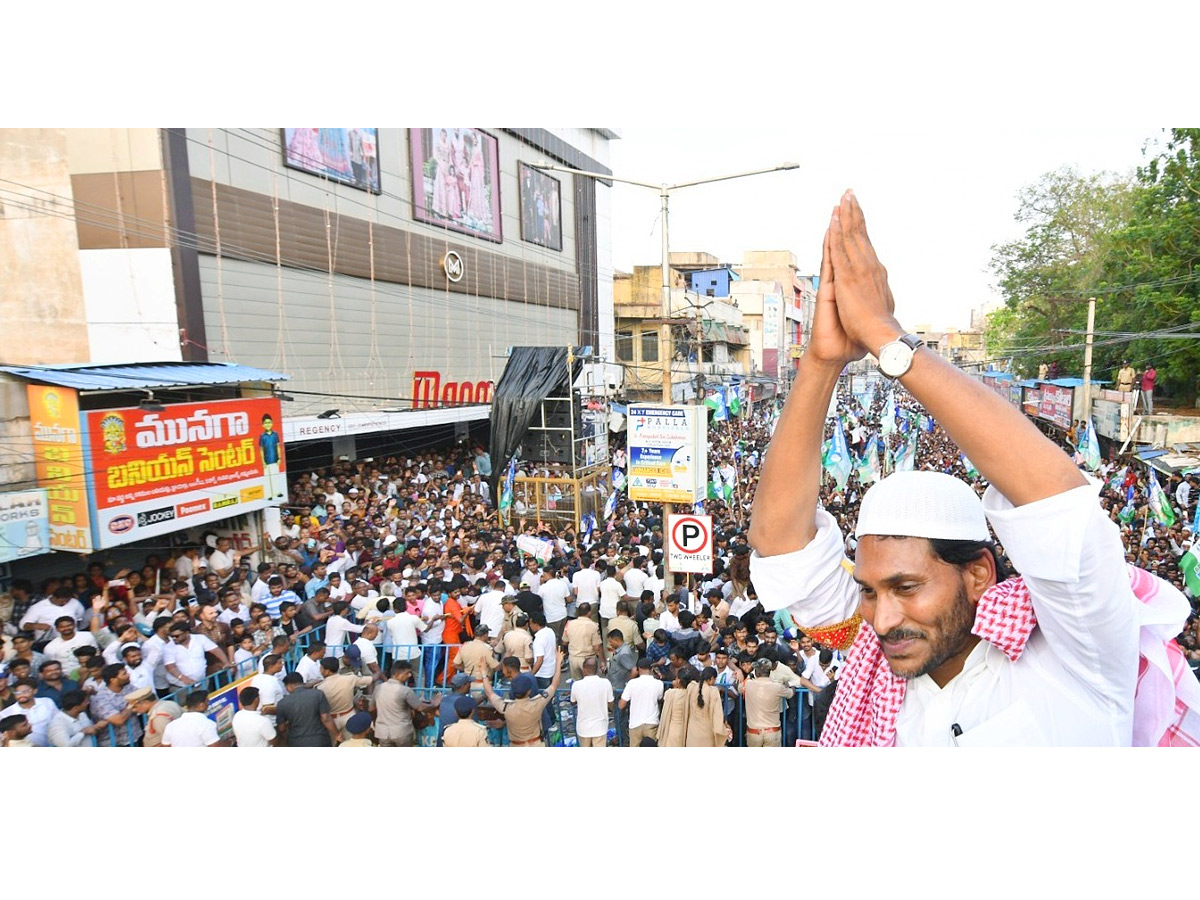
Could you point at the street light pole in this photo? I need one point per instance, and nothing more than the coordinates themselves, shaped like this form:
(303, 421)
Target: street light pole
(664, 193)
(664, 330)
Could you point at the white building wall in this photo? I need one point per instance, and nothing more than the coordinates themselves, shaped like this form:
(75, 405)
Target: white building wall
(129, 297)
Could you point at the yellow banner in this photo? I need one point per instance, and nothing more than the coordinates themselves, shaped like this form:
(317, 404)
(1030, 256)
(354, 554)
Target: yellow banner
(58, 460)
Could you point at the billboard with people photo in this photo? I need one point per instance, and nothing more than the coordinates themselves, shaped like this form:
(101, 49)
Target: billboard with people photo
(346, 155)
(541, 208)
(455, 175)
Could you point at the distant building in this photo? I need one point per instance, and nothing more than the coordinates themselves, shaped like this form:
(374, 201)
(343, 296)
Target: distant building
(702, 339)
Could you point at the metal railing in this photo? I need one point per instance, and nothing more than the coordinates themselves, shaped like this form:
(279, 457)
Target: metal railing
(433, 670)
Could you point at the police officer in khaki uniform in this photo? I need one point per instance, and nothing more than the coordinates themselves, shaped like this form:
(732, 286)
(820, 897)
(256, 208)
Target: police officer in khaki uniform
(476, 657)
(582, 636)
(466, 732)
(339, 691)
(763, 706)
(518, 642)
(523, 713)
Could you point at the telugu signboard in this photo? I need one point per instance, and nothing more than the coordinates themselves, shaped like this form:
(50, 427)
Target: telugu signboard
(1056, 405)
(668, 453)
(690, 544)
(1032, 401)
(58, 456)
(24, 524)
(155, 472)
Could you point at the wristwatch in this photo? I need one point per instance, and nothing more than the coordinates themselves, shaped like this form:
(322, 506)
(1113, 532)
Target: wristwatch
(896, 356)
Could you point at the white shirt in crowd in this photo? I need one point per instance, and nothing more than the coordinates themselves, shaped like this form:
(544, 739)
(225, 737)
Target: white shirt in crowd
(370, 653)
(336, 629)
(152, 659)
(489, 610)
(252, 728)
(192, 729)
(63, 731)
(403, 630)
(44, 612)
(309, 669)
(591, 695)
(544, 643)
(635, 583)
(643, 694)
(238, 612)
(611, 593)
(555, 594)
(64, 651)
(433, 633)
(189, 660)
(1073, 684)
(219, 561)
(586, 583)
(269, 692)
(141, 677)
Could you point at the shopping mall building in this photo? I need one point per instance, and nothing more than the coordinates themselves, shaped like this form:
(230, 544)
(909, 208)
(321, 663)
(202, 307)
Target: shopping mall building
(173, 295)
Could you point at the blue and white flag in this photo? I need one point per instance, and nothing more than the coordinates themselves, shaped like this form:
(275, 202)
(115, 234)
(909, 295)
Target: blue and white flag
(1089, 447)
(506, 495)
(610, 505)
(837, 461)
(887, 420)
(716, 402)
(587, 525)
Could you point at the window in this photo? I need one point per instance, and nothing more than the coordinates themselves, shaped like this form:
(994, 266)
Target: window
(625, 346)
(649, 346)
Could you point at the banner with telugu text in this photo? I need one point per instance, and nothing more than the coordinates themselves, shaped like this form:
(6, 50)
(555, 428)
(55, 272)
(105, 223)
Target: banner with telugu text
(154, 472)
(58, 456)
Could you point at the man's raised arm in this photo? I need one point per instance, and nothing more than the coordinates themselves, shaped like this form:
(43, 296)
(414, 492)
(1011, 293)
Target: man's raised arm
(785, 503)
(1005, 447)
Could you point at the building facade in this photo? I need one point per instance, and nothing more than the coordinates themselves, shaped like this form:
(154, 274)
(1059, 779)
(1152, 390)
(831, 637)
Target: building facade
(387, 271)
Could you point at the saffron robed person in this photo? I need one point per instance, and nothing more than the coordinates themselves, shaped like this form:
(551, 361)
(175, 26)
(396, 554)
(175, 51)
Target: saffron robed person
(949, 651)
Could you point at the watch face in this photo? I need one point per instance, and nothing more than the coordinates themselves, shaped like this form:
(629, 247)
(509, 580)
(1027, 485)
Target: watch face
(894, 359)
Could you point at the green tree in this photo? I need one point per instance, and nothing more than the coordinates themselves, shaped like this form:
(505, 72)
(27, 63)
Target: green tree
(1151, 266)
(1046, 275)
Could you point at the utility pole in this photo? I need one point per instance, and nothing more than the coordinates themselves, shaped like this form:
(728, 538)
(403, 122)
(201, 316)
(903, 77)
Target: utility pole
(1087, 360)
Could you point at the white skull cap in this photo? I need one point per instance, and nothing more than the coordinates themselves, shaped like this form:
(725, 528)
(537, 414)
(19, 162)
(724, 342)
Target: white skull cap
(923, 504)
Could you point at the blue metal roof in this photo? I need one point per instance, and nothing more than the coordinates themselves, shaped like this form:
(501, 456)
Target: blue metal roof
(87, 377)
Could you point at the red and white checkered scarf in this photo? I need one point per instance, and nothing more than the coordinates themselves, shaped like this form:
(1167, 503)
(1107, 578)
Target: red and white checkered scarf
(1166, 704)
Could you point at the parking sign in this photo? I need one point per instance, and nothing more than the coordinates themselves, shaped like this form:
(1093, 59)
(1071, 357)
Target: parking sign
(690, 543)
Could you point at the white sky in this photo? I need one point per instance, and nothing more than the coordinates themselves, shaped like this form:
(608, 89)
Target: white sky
(907, 181)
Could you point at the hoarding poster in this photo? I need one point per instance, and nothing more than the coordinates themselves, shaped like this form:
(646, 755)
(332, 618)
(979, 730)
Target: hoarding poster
(58, 455)
(668, 453)
(223, 703)
(455, 176)
(1056, 405)
(347, 155)
(24, 524)
(154, 472)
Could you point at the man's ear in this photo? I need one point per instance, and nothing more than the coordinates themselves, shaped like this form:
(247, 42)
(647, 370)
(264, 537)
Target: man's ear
(979, 575)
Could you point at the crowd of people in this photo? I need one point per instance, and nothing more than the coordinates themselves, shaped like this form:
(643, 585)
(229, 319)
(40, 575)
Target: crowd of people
(400, 606)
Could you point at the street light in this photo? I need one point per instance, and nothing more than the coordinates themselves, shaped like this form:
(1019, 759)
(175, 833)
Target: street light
(664, 193)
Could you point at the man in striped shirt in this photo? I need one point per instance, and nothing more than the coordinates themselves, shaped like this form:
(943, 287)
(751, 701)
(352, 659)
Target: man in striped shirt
(277, 595)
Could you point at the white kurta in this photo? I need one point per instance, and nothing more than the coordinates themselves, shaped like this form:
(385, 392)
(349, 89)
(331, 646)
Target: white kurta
(1074, 683)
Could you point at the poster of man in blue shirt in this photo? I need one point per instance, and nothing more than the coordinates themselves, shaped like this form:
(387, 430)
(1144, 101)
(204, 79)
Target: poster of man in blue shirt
(271, 447)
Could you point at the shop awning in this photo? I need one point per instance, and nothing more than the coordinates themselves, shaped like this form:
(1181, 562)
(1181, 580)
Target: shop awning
(135, 376)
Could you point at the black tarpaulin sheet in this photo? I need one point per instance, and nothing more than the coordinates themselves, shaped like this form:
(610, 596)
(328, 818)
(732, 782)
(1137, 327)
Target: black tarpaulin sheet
(532, 374)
